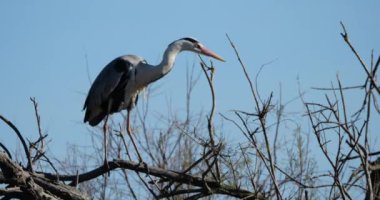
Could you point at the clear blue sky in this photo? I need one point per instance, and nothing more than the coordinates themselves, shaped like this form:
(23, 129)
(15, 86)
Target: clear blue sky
(44, 44)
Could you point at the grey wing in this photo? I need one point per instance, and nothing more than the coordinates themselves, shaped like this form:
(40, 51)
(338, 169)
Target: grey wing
(110, 78)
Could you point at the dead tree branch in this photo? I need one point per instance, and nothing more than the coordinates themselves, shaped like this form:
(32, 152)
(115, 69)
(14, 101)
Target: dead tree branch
(217, 187)
(22, 140)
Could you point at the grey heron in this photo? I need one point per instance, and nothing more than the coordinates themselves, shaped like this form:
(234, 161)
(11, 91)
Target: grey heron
(117, 86)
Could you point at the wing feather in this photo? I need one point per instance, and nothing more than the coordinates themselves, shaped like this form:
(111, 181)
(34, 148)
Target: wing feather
(115, 74)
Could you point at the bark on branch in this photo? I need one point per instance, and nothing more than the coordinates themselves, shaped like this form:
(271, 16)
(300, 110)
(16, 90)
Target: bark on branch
(23, 184)
(206, 184)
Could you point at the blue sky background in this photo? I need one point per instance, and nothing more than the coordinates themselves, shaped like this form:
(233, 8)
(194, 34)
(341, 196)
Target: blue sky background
(44, 46)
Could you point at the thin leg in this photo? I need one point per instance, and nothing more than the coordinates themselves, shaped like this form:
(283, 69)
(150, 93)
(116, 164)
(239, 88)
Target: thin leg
(129, 131)
(105, 142)
(129, 123)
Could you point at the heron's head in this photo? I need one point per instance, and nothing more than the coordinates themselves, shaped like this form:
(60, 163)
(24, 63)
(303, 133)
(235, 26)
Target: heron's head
(191, 44)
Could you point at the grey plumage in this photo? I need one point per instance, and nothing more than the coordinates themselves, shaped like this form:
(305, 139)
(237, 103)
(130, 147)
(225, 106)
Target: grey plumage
(114, 89)
(117, 86)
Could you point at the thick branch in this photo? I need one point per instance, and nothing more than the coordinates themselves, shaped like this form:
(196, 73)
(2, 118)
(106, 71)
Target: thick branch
(32, 187)
(215, 186)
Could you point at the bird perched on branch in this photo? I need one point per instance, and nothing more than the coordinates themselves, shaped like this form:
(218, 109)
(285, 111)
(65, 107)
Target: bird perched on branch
(117, 86)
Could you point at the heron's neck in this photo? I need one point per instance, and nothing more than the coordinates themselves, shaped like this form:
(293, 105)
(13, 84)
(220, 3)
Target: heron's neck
(168, 59)
(166, 64)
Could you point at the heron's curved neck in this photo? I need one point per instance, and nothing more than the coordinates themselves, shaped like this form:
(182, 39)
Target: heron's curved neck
(168, 59)
(160, 70)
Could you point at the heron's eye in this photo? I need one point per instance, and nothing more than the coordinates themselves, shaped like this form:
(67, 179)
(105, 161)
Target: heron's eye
(197, 46)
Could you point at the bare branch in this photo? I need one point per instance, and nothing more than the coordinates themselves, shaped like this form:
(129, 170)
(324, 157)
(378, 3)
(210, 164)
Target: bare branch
(157, 172)
(369, 74)
(15, 129)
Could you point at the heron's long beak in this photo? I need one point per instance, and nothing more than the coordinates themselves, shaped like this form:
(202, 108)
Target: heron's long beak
(208, 52)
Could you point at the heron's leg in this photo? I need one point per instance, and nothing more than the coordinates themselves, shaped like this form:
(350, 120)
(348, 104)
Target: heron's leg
(129, 123)
(105, 142)
(129, 131)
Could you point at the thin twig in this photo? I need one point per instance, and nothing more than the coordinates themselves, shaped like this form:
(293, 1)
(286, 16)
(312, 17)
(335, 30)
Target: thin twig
(15, 129)
(369, 74)
(262, 112)
(211, 128)
(38, 118)
(245, 73)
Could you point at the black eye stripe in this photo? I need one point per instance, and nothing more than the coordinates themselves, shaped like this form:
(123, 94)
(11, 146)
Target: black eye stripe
(190, 39)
